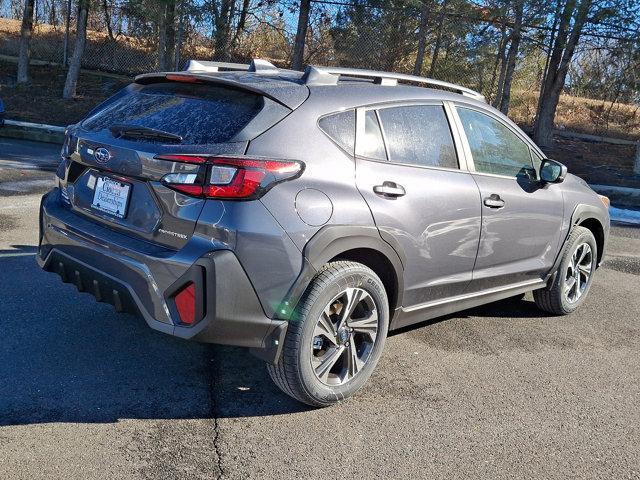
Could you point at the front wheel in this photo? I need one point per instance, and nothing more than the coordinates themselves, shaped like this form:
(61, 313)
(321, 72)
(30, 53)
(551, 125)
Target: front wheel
(336, 336)
(572, 280)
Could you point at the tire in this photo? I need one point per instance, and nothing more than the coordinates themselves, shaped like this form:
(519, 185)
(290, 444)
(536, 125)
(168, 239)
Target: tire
(560, 297)
(302, 371)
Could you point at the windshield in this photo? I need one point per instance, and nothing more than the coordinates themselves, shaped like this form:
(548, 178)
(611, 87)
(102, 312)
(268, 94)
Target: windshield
(200, 114)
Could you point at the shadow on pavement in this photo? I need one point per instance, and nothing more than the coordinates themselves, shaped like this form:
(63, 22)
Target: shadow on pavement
(66, 358)
(507, 308)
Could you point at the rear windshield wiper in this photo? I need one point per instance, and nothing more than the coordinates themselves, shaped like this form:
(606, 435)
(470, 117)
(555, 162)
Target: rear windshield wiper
(136, 131)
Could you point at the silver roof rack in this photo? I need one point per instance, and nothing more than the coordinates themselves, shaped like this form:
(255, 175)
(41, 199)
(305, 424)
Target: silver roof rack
(316, 75)
(257, 65)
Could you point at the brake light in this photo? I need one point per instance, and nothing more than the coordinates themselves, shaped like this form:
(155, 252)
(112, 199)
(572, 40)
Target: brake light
(172, 77)
(231, 178)
(186, 304)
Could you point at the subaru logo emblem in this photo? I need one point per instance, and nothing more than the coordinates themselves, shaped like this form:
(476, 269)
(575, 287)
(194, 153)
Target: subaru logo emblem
(102, 155)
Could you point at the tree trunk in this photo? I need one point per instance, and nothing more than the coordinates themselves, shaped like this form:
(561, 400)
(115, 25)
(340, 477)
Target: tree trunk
(162, 37)
(242, 20)
(516, 35)
(107, 19)
(503, 72)
(496, 64)
(222, 19)
(76, 59)
(301, 35)
(561, 56)
(170, 35)
(25, 42)
(180, 35)
(422, 39)
(636, 166)
(438, 44)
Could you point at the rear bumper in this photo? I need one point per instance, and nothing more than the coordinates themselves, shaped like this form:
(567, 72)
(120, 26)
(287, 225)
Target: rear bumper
(140, 278)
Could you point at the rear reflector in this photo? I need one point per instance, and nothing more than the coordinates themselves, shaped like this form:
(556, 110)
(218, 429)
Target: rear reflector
(186, 304)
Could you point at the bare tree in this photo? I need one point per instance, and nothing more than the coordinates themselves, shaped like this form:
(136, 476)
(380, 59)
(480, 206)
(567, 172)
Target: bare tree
(438, 44)
(25, 42)
(223, 12)
(107, 19)
(166, 34)
(242, 21)
(558, 66)
(422, 38)
(301, 35)
(76, 59)
(514, 45)
(499, 62)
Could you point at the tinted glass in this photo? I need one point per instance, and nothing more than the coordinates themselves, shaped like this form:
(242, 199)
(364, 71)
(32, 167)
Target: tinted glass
(372, 145)
(419, 135)
(341, 127)
(494, 147)
(200, 114)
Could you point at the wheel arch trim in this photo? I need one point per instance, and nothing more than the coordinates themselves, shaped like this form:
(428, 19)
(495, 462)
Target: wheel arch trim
(331, 241)
(581, 213)
(584, 213)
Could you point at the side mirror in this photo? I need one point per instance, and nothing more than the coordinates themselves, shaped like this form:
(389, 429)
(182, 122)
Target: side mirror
(552, 171)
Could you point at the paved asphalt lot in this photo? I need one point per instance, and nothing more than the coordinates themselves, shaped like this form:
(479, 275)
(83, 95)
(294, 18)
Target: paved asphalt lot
(501, 391)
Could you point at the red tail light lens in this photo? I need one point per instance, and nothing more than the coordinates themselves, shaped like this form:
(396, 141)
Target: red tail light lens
(186, 304)
(231, 178)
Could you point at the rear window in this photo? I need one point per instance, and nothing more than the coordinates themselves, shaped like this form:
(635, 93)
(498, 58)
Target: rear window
(200, 114)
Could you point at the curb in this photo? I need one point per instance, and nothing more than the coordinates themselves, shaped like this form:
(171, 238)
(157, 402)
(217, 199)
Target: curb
(37, 132)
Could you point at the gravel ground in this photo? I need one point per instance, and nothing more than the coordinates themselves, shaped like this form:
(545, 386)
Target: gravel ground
(501, 391)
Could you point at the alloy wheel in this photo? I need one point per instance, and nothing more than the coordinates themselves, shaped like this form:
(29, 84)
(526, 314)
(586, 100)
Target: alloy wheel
(344, 336)
(578, 272)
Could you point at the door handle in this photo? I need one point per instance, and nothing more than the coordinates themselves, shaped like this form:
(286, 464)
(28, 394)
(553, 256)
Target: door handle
(494, 201)
(389, 189)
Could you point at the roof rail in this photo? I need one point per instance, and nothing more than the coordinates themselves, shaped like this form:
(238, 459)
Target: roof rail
(257, 65)
(316, 75)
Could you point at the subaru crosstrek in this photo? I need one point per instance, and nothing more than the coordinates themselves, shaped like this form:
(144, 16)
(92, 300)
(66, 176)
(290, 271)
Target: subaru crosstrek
(304, 215)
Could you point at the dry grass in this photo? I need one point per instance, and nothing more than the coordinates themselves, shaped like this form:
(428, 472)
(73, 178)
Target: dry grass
(42, 102)
(584, 115)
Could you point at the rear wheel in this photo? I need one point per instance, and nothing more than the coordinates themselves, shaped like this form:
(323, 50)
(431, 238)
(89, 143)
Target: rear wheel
(336, 337)
(572, 280)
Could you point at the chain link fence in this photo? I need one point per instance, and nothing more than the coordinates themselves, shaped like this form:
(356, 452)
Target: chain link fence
(462, 47)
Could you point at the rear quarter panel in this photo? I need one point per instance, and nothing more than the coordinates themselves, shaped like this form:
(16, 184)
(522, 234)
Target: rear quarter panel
(327, 184)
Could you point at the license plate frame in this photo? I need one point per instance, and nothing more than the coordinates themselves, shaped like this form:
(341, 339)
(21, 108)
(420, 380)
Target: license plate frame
(112, 200)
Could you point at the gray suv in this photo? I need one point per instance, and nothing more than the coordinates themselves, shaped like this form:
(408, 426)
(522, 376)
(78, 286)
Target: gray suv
(306, 215)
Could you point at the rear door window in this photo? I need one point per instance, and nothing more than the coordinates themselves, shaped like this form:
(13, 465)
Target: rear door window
(419, 135)
(200, 114)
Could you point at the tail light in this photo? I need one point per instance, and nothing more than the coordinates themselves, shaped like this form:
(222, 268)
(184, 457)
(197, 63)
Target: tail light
(230, 178)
